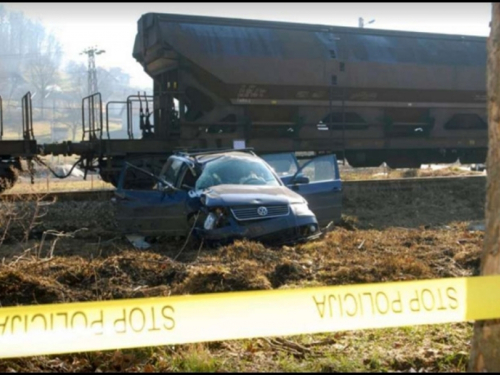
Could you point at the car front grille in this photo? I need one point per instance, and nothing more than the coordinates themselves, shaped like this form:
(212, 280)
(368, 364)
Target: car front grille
(242, 213)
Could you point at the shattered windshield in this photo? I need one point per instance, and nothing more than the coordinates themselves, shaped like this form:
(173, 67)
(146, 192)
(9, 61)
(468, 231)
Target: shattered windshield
(230, 170)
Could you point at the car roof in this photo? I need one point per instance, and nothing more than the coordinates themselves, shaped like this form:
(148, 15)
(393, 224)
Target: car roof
(202, 159)
(205, 158)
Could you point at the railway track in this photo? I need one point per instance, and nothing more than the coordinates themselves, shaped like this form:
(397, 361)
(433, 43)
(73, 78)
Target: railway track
(411, 182)
(401, 184)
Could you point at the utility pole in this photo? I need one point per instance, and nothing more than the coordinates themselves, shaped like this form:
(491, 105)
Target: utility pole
(91, 52)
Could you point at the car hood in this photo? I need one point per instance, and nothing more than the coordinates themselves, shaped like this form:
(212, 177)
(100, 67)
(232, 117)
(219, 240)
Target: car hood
(237, 195)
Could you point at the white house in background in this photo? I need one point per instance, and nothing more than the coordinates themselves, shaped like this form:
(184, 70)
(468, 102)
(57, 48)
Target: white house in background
(63, 170)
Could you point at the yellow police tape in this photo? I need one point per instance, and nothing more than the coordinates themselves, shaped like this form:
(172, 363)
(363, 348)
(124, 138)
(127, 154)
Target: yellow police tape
(89, 326)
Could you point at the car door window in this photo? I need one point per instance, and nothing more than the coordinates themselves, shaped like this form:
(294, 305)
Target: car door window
(171, 170)
(323, 191)
(284, 164)
(188, 180)
(323, 168)
(137, 180)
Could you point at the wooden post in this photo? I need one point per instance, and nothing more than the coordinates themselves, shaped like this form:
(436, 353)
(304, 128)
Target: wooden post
(485, 349)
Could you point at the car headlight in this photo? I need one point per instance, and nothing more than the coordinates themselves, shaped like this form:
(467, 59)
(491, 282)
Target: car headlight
(210, 221)
(301, 209)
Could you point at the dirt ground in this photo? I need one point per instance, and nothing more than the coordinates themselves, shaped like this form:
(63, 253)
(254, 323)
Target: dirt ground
(384, 236)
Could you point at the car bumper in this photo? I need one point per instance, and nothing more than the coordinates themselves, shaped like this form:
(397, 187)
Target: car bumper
(283, 230)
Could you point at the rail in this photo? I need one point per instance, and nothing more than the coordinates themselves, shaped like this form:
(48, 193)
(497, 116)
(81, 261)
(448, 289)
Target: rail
(129, 103)
(107, 117)
(146, 126)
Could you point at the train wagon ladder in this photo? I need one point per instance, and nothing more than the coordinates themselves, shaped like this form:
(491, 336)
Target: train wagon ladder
(92, 104)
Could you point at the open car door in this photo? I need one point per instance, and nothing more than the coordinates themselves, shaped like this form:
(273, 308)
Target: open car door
(318, 181)
(284, 164)
(150, 212)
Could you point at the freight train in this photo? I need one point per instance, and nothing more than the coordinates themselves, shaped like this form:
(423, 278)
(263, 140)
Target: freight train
(369, 96)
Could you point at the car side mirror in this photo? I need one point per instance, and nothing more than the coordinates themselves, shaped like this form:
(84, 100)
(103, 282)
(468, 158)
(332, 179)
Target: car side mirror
(300, 179)
(167, 188)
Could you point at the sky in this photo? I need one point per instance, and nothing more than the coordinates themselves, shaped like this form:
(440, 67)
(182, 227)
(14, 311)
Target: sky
(113, 26)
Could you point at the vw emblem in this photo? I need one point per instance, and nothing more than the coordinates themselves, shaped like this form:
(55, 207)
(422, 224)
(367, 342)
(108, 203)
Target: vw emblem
(262, 211)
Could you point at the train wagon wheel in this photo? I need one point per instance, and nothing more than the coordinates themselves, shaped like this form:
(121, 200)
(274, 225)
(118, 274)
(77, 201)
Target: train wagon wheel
(110, 178)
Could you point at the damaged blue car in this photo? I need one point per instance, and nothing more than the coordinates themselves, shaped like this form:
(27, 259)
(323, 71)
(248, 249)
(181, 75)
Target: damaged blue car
(221, 196)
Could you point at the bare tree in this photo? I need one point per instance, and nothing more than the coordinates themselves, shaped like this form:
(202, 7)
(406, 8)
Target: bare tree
(20, 40)
(485, 351)
(44, 68)
(113, 82)
(76, 81)
(72, 113)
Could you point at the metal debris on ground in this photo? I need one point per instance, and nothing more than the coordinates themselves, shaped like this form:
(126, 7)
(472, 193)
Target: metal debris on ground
(138, 242)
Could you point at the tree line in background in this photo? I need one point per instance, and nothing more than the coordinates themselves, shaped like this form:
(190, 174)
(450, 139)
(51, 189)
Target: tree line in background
(31, 60)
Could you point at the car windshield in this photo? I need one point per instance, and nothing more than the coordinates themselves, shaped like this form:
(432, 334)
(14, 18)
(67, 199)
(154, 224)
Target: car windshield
(231, 170)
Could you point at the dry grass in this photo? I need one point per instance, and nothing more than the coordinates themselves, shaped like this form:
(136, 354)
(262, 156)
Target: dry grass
(421, 205)
(381, 238)
(114, 271)
(53, 185)
(380, 173)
